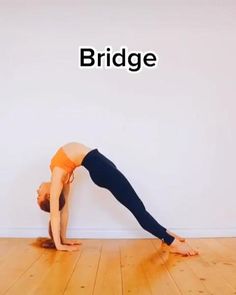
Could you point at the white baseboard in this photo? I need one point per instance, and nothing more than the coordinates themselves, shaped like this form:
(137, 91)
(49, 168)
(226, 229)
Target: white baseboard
(93, 233)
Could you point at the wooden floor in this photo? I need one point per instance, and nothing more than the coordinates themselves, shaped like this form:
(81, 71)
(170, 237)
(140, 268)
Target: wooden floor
(115, 267)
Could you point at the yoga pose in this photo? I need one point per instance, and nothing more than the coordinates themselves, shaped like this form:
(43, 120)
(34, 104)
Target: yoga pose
(53, 196)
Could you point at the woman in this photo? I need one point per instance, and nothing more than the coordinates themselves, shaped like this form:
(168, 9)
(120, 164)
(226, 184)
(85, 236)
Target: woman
(105, 174)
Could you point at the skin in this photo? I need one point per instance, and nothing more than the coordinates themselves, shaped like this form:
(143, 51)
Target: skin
(59, 219)
(44, 193)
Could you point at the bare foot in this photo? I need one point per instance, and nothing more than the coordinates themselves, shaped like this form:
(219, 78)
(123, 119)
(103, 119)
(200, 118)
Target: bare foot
(181, 239)
(182, 248)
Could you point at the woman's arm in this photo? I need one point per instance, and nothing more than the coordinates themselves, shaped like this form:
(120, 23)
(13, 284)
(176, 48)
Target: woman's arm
(55, 191)
(57, 178)
(64, 218)
(64, 213)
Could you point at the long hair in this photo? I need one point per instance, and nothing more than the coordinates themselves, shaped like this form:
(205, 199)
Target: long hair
(45, 204)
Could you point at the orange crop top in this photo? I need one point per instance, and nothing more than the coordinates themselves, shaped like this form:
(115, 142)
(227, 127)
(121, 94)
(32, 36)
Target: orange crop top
(61, 160)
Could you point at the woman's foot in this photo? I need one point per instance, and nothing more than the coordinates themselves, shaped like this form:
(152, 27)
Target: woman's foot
(182, 248)
(181, 239)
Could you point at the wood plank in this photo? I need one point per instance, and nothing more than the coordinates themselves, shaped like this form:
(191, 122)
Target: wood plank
(6, 246)
(184, 277)
(222, 258)
(50, 272)
(230, 242)
(109, 280)
(115, 267)
(83, 278)
(17, 260)
(159, 278)
(58, 273)
(208, 272)
(225, 251)
(33, 277)
(133, 275)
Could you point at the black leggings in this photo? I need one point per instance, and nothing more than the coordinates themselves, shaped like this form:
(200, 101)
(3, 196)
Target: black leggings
(105, 174)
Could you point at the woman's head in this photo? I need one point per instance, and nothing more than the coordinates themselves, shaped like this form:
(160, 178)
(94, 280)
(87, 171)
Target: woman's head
(43, 198)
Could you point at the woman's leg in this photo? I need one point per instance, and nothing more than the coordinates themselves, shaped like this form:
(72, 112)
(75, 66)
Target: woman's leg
(105, 174)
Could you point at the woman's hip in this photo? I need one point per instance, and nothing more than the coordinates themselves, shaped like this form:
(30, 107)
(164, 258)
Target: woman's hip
(96, 160)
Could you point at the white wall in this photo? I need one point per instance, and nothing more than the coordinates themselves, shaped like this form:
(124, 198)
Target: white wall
(171, 130)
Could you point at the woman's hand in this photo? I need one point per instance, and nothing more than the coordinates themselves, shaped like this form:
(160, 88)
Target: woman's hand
(70, 242)
(68, 247)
